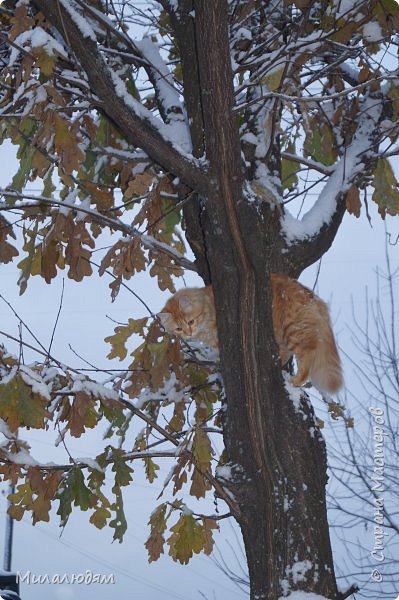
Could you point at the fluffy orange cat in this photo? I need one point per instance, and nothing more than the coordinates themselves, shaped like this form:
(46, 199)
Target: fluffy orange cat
(301, 326)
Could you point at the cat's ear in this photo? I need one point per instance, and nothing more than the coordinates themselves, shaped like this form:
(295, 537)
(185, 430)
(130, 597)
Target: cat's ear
(185, 303)
(164, 318)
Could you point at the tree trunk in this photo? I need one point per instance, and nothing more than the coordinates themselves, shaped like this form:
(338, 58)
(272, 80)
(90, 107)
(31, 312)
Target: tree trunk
(276, 453)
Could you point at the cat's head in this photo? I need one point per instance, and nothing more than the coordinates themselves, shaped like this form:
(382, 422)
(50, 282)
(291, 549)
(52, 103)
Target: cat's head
(182, 315)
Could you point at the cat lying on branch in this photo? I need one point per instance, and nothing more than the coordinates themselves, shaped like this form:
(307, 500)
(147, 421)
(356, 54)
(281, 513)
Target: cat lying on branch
(301, 324)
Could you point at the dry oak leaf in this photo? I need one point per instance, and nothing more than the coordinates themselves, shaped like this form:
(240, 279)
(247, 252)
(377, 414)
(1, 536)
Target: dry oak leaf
(122, 334)
(21, 404)
(44, 60)
(179, 476)
(209, 524)
(77, 257)
(11, 472)
(153, 209)
(156, 540)
(21, 500)
(50, 258)
(178, 419)
(126, 257)
(67, 140)
(386, 192)
(21, 22)
(199, 485)
(7, 251)
(139, 185)
(202, 450)
(187, 538)
(82, 414)
(44, 484)
(101, 195)
(353, 204)
(52, 247)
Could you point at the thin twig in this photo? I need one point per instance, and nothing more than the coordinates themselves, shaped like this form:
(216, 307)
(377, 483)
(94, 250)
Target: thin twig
(41, 352)
(23, 322)
(57, 317)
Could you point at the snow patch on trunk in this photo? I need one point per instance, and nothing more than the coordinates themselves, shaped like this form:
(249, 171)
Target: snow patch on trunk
(303, 596)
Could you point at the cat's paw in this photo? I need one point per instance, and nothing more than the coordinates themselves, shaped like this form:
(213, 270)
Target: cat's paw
(299, 382)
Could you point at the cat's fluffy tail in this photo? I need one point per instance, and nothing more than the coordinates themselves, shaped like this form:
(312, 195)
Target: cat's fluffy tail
(326, 370)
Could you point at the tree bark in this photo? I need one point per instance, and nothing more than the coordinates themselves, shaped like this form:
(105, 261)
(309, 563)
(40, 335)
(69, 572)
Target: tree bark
(183, 26)
(301, 255)
(276, 452)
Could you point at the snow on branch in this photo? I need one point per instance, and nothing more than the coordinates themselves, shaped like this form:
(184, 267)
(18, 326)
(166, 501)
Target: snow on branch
(35, 38)
(312, 164)
(168, 95)
(140, 126)
(304, 596)
(348, 167)
(83, 23)
(177, 136)
(147, 52)
(178, 132)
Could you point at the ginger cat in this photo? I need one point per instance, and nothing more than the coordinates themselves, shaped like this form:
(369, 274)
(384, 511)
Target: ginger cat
(301, 326)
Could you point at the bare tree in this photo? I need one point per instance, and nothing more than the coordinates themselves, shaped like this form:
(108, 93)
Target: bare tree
(363, 497)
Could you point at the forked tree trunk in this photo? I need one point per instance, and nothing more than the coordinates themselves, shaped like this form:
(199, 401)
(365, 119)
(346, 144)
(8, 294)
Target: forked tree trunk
(276, 453)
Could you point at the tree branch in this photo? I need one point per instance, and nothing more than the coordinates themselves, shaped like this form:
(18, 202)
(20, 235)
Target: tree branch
(133, 120)
(183, 25)
(309, 238)
(306, 252)
(148, 241)
(312, 164)
(85, 465)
